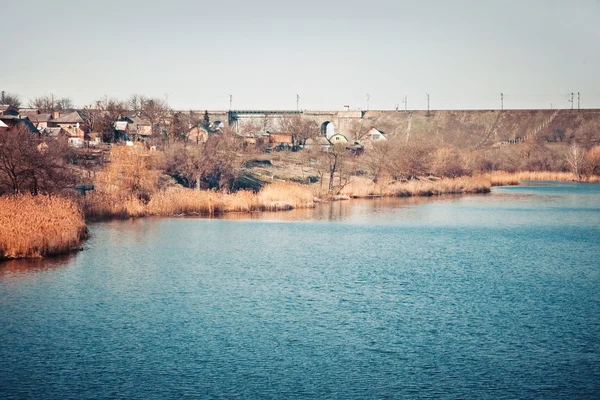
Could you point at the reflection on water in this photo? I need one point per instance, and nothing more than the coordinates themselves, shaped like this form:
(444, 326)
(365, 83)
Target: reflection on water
(22, 269)
(344, 210)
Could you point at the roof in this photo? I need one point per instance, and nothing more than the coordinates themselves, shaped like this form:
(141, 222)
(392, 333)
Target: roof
(44, 117)
(11, 120)
(139, 121)
(31, 114)
(3, 125)
(279, 133)
(53, 131)
(70, 118)
(121, 125)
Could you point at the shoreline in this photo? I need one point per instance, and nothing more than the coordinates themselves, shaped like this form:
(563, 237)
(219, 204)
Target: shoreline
(206, 204)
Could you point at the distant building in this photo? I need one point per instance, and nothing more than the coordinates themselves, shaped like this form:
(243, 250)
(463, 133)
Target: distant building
(70, 122)
(11, 120)
(338, 138)
(372, 136)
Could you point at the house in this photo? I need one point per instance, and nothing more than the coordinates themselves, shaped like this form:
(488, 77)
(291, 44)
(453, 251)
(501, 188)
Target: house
(70, 122)
(56, 132)
(376, 135)
(338, 138)
(41, 120)
(139, 127)
(248, 138)
(372, 136)
(11, 120)
(200, 133)
(280, 138)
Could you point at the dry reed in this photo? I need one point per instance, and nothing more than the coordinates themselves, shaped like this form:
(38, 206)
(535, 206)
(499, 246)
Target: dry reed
(503, 178)
(37, 226)
(188, 201)
(362, 187)
(285, 195)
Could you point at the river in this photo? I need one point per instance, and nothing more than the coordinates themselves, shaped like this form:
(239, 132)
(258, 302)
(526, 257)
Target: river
(484, 296)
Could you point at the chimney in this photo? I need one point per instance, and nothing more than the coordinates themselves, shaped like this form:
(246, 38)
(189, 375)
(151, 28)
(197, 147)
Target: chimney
(346, 108)
(55, 114)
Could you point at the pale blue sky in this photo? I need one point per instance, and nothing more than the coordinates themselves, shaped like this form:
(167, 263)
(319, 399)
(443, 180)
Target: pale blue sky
(463, 53)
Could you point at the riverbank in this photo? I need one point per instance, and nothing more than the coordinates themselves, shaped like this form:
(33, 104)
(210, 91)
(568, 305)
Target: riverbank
(49, 225)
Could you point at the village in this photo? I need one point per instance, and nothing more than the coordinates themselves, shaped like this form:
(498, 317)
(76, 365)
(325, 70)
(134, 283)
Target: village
(95, 128)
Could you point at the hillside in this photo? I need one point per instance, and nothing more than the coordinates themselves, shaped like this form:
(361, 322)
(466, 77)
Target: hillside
(472, 129)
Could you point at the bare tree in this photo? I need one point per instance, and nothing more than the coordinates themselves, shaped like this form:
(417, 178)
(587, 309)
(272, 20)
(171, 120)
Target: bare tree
(359, 131)
(377, 159)
(134, 104)
(574, 157)
(300, 128)
(447, 162)
(11, 99)
(65, 103)
(28, 164)
(409, 160)
(44, 104)
(215, 164)
(156, 111)
(102, 115)
(592, 161)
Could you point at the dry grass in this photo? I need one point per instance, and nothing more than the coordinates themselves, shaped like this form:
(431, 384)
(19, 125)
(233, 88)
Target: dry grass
(285, 195)
(362, 187)
(188, 201)
(39, 226)
(502, 178)
(100, 204)
(276, 196)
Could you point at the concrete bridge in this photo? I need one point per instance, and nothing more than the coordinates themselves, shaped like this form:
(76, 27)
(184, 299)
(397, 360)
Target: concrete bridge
(329, 121)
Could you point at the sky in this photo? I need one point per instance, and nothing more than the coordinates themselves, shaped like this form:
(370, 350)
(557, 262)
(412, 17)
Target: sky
(365, 54)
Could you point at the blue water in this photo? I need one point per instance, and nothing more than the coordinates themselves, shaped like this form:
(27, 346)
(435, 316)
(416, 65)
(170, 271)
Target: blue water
(488, 296)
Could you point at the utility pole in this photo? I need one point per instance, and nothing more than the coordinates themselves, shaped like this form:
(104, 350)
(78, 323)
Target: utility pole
(578, 99)
(427, 102)
(405, 103)
(502, 101)
(297, 102)
(571, 101)
(230, 101)
(368, 99)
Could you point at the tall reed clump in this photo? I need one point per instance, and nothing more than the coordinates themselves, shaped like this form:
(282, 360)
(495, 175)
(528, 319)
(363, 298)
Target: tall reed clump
(362, 187)
(285, 195)
(503, 178)
(188, 201)
(124, 186)
(37, 226)
(102, 204)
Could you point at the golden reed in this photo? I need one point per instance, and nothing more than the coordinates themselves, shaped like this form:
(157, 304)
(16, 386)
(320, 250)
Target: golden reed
(37, 226)
(179, 201)
(362, 187)
(503, 178)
